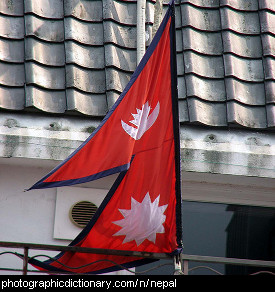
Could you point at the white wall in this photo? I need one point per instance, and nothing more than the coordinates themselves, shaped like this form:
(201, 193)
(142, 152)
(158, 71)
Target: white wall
(38, 216)
(25, 216)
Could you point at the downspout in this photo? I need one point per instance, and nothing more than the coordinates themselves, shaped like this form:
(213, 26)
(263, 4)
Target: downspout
(141, 6)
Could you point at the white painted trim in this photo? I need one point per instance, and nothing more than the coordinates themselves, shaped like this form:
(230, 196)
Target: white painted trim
(228, 189)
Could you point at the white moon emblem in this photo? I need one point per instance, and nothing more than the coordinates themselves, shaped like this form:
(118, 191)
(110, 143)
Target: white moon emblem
(142, 120)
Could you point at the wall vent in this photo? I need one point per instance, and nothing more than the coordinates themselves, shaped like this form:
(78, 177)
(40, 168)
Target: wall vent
(82, 212)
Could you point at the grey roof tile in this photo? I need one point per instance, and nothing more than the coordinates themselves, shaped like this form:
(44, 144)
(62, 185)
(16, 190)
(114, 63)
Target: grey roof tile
(12, 98)
(84, 79)
(120, 35)
(178, 20)
(269, 68)
(183, 111)
(267, 21)
(148, 34)
(111, 97)
(203, 19)
(207, 113)
(207, 66)
(206, 89)
(247, 116)
(239, 21)
(122, 12)
(85, 56)
(78, 56)
(120, 58)
(181, 87)
(85, 33)
(47, 77)
(270, 110)
(150, 11)
(12, 74)
(179, 41)
(244, 69)
(12, 50)
(81, 102)
(268, 43)
(245, 5)
(270, 91)
(267, 4)
(202, 42)
(245, 92)
(15, 8)
(249, 46)
(47, 9)
(180, 64)
(84, 10)
(11, 27)
(51, 54)
(116, 80)
(44, 29)
(125, 12)
(203, 3)
(46, 100)
(245, 78)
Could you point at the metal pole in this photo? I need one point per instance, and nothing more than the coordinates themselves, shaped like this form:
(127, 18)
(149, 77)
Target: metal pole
(25, 260)
(177, 265)
(185, 267)
(141, 6)
(37, 246)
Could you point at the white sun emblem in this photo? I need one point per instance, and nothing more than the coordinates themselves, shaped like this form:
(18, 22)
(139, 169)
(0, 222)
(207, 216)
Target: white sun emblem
(143, 221)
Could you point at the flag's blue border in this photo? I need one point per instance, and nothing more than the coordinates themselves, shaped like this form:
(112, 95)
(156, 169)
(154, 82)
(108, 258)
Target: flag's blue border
(42, 184)
(132, 264)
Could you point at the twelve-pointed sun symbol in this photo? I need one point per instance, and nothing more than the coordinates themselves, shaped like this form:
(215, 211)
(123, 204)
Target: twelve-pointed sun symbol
(143, 221)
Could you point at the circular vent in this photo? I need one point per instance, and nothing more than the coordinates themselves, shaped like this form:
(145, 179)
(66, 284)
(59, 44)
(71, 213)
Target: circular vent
(82, 212)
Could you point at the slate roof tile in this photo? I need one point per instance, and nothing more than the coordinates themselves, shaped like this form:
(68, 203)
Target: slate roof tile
(15, 8)
(76, 56)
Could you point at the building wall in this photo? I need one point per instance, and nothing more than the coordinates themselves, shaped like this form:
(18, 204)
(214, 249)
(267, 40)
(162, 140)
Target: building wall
(218, 165)
(42, 216)
(25, 216)
(36, 216)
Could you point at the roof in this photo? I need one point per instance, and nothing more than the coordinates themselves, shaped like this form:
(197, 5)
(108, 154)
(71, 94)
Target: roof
(76, 57)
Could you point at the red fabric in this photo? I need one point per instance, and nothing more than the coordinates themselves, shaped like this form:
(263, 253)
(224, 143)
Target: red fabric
(151, 171)
(112, 146)
(149, 181)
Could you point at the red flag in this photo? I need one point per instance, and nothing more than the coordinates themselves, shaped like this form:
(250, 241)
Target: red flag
(139, 138)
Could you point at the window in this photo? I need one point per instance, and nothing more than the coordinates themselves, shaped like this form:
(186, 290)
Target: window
(225, 230)
(234, 231)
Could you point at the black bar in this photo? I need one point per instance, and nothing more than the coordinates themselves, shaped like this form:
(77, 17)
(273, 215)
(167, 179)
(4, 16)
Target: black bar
(25, 260)
(85, 250)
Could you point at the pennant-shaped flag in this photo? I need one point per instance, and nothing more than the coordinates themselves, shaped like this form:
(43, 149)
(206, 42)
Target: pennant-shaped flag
(139, 138)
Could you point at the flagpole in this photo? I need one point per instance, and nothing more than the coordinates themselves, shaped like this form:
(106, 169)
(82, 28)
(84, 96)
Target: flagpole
(174, 89)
